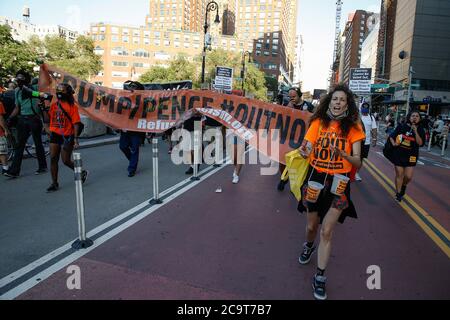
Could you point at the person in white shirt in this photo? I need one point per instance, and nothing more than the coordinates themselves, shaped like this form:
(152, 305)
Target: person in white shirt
(371, 130)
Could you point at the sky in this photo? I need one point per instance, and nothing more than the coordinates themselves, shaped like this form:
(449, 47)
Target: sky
(315, 22)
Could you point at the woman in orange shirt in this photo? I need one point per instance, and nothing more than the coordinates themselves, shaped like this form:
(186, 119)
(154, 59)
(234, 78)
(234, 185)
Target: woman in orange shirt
(333, 145)
(64, 122)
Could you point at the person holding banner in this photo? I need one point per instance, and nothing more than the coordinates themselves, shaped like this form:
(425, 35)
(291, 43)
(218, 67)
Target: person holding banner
(63, 128)
(333, 146)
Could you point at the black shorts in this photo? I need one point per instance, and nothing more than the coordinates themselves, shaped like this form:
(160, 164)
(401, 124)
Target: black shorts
(62, 140)
(365, 151)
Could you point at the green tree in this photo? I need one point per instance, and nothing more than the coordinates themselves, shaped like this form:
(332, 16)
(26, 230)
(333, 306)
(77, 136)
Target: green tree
(179, 69)
(254, 78)
(14, 55)
(76, 58)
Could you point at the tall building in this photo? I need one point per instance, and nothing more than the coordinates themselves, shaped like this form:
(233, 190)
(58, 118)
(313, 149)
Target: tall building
(272, 26)
(265, 28)
(355, 32)
(422, 36)
(369, 49)
(298, 61)
(386, 38)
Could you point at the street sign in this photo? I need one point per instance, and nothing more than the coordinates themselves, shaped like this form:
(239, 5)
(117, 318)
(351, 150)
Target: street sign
(224, 79)
(378, 86)
(360, 79)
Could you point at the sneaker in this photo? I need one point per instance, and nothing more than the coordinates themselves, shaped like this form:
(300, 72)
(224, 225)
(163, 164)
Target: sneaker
(41, 171)
(53, 187)
(399, 197)
(403, 191)
(131, 174)
(190, 171)
(305, 257)
(4, 171)
(318, 285)
(84, 176)
(235, 179)
(10, 175)
(358, 177)
(281, 185)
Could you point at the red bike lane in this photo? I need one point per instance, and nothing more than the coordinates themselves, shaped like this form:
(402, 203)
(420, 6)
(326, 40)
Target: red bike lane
(244, 243)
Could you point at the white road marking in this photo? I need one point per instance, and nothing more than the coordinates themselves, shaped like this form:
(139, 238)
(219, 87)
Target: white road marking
(30, 283)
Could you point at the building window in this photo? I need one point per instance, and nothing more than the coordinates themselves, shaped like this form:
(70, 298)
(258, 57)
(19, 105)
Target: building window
(120, 64)
(125, 39)
(138, 65)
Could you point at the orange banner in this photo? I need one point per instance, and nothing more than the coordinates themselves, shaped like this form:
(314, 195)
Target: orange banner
(272, 129)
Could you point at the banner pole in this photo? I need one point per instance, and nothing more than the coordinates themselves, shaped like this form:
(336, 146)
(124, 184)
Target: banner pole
(82, 242)
(155, 199)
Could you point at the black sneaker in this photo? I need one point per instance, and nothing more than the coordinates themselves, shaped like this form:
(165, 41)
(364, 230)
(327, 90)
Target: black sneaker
(10, 175)
(41, 171)
(281, 185)
(84, 176)
(131, 174)
(305, 257)
(403, 191)
(53, 187)
(318, 285)
(190, 171)
(399, 197)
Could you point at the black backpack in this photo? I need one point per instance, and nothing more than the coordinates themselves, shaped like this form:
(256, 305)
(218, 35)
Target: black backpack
(8, 99)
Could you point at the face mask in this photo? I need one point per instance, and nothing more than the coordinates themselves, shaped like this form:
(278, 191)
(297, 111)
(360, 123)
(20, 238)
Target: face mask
(339, 117)
(61, 96)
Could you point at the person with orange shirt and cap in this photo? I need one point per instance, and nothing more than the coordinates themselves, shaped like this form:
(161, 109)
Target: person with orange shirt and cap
(63, 127)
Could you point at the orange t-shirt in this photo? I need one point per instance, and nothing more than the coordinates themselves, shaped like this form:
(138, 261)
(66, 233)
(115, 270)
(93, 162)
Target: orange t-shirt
(324, 138)
(2, 112)
(59, 123)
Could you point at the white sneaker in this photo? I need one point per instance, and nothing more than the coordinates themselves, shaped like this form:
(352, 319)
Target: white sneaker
(235, 179)
(358, 177)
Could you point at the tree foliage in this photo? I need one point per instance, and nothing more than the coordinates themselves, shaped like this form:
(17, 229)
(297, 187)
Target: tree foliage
(183, 69)
(179, 69)
(14, 55)
(76, 58)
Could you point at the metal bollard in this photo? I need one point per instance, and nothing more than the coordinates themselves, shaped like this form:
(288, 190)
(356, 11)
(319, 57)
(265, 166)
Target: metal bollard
(431, 139)
(156, 199)
(196, 154)
(443, 147)
(82, 242)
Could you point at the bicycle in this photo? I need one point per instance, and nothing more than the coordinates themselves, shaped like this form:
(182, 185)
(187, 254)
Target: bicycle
(30, 148)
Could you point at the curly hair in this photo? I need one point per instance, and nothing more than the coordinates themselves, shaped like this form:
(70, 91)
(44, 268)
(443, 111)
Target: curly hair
(353, 118)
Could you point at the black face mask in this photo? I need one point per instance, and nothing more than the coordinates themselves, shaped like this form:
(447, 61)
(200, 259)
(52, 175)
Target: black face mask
(62, 96)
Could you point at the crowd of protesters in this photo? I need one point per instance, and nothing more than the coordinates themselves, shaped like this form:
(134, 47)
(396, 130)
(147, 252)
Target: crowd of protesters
(339, 128)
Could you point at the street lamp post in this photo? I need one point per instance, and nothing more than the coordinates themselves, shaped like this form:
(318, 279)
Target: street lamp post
(409, 89)
(243, 69)
(212, 6)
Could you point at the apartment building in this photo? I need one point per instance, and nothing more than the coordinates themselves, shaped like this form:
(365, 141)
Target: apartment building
(356, 30)
(264, 27)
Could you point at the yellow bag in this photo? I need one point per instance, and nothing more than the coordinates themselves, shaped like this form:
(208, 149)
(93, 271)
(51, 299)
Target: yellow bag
(296, 170)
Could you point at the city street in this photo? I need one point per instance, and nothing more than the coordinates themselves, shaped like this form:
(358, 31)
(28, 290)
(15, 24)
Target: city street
(242, 243)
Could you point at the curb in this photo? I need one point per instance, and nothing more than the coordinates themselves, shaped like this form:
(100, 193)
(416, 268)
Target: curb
(97, 143)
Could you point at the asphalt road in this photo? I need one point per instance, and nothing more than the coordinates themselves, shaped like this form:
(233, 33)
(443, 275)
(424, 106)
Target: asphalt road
(34, 223)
